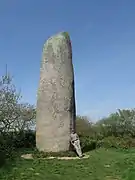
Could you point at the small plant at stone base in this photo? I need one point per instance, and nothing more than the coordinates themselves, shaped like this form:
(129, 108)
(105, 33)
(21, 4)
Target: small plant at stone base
(42, 154)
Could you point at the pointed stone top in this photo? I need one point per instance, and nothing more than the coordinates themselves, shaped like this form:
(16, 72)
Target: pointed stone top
(66, 35)
(57, 39)
(60, 35)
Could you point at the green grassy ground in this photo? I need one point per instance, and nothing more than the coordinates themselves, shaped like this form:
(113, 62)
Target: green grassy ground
(101, 165)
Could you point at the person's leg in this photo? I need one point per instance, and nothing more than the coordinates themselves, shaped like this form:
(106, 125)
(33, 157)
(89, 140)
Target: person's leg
(78, 148)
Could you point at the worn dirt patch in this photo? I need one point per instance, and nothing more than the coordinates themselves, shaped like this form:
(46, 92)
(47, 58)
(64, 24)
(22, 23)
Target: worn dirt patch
(29, 156)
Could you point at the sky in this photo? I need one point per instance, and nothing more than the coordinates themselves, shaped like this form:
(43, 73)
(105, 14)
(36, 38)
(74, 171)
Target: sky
(103, 42)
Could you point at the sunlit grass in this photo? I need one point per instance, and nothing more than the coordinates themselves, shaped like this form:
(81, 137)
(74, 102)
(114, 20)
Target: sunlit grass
(101, 165)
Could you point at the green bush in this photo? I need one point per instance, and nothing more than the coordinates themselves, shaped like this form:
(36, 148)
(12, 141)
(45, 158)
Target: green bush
(6, 146)
(84, 127)
(87, 143)
(116, 142)
(2, 153)
(2, 158)
(24, 139)
(11, 142)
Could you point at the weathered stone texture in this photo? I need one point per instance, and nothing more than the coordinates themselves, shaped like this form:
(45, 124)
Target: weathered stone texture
(55, 101)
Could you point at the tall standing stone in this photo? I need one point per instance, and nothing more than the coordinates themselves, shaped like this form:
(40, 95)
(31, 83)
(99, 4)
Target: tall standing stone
(56, 98)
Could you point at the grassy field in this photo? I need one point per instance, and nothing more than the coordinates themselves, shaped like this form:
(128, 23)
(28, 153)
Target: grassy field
(101, 165)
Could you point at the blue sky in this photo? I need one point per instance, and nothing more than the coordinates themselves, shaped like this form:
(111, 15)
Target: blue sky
(103, 40)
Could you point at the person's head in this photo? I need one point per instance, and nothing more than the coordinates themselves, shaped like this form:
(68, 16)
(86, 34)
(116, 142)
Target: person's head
(73, 132)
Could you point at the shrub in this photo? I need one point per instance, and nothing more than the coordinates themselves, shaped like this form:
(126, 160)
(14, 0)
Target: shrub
(116, 142)
(84, 127)
(24, 139)
(2, 153)
(6, 146)
(87, 143)
(2, 158)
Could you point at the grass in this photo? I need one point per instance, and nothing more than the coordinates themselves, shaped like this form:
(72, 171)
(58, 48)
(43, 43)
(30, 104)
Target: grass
(102, 165)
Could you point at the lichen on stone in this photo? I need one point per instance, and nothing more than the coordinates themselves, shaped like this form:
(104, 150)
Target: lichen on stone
(66, 35)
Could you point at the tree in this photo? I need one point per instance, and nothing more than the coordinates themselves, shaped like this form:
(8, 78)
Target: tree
(83, 126)
(14, 116)
(121, 123)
